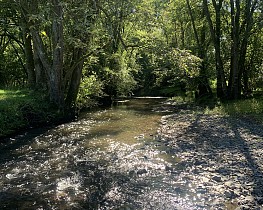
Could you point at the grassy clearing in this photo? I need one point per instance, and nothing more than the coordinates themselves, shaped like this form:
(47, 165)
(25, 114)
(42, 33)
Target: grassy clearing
(21, 109)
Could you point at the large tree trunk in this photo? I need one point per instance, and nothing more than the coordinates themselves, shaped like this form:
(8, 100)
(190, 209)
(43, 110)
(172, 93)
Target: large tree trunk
(30, 66)
(40, 55)
(39, 71)
(50, 66)
(53, 69)
(74, 82)
(55, 75)
(28, 48)
(41, 74)
(234, 81)
(240, 36)
(216, 38)
(203, 86)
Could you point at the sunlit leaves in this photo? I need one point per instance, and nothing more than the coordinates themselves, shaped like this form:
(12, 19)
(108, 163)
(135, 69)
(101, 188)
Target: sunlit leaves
(176, 65)
(90, 87)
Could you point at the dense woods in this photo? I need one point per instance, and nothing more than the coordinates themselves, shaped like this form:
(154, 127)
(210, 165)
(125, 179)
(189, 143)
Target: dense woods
(77, 130)
(81, 51)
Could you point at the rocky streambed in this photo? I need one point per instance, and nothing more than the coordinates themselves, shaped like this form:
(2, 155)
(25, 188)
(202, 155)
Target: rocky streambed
(115, 159)
(221, 158)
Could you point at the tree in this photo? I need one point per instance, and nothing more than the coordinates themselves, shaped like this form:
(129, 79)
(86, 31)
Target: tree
(242, 22)
(58, 44)
(215, 31)
(241, 16)
(202, 46)
(50, 45)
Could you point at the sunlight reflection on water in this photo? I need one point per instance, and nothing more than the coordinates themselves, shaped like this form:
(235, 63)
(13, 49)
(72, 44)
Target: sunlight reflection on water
(108, 159)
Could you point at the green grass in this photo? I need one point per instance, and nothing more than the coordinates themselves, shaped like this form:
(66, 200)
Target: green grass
(250, 108)
(21, 109)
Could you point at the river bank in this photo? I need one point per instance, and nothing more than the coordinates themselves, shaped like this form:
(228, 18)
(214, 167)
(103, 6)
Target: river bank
(114, 159)
(22, 110)
(221, 157)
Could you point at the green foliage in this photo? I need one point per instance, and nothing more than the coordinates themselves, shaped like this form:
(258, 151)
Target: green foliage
(115, 71)
(177, 65)
(251, 109)
(90, 88)
(126, 84)
(126, 45)
(247, 106)
(170, 68)
(125, 67)
(21, 109)
(11, 71)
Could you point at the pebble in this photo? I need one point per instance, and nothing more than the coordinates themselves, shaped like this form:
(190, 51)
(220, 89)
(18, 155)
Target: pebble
(209, 144)
(141, 171)
(217, 178)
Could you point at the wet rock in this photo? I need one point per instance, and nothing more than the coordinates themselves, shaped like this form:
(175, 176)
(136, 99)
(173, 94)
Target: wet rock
(168, 168)
(249, 199)
(139, 137)
(131, 173)
(258, 191)
(201, 190)
(141, 171)
(229, 183)
(244, 207)
(200, 162)
(260, 200)
(230, 194)
(126, 207)
(205, 179)
(217, 178)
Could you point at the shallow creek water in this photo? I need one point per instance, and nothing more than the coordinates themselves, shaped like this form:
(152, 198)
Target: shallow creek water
(108, 159)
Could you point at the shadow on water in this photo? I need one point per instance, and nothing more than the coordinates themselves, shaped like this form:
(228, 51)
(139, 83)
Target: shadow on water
(9, 145)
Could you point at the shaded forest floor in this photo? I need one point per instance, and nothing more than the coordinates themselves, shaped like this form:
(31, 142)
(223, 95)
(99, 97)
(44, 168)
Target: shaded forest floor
(221, 156)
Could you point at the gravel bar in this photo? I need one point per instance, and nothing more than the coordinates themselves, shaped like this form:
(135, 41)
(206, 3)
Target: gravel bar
(221, 157)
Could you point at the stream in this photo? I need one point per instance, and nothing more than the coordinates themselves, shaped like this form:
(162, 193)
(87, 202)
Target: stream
(107, 159)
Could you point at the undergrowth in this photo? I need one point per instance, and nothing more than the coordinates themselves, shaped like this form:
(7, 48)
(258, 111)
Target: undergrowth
(21, 109)
(251, 108)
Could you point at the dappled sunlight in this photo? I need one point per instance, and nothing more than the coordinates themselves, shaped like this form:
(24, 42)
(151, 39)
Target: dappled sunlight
(70, 188)
(107, 158)
(223, 156)
(11, 93)
(126, 158)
